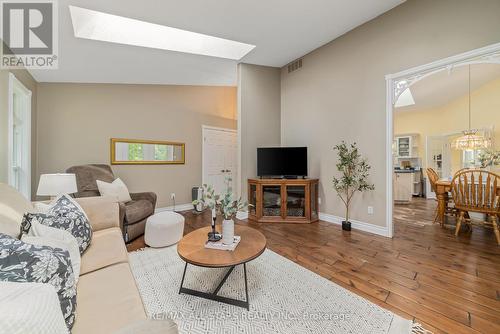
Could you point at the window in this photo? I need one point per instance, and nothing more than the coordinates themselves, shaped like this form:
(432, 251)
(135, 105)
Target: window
(19, 137)
(470, 159)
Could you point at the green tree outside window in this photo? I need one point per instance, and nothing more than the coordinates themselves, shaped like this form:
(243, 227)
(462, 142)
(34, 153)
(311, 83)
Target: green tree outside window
(161, 152)
(135, 152)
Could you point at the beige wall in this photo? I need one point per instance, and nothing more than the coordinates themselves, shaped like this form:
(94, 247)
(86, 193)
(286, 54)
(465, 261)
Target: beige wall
(27, 80)
(258, 116)
(339, 93)
(453, 118)
(76, 122)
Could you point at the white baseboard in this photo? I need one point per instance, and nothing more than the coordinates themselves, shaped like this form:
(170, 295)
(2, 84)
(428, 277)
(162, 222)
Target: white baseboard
(241, 215)
(358, 225)
(179, 207)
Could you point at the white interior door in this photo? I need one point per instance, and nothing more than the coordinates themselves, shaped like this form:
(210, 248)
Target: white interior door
(219, 157)
(19, 137)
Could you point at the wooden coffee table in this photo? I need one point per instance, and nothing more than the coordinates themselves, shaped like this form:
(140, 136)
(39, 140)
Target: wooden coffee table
(192, 250)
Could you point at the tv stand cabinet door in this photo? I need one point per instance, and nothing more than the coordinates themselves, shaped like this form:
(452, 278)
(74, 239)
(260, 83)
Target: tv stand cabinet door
(254, 207)
(272, 201)
(296, 200)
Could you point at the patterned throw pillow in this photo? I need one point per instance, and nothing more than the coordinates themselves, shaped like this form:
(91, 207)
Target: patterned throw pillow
(64, 214)
(22, 262)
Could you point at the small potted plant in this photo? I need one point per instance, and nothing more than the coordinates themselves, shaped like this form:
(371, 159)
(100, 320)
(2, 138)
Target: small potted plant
(224, 204)
(354, 172)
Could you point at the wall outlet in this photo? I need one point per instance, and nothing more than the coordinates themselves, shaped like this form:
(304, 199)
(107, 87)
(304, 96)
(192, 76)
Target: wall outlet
(319, 200)
(370, 210)
(172, 195)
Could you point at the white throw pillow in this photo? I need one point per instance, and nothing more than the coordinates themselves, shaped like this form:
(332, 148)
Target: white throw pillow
(42, 235)
(116, 189)
(30, 308)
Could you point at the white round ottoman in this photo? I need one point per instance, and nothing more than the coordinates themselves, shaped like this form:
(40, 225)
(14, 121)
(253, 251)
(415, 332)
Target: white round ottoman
(163, 229)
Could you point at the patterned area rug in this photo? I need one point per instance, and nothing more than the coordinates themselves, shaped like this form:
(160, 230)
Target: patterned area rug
(284, 298)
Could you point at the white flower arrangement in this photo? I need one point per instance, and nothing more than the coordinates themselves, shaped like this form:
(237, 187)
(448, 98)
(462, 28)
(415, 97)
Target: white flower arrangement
(489, 158)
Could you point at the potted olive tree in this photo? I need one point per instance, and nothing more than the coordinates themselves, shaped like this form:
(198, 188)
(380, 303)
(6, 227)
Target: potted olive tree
(354, 172)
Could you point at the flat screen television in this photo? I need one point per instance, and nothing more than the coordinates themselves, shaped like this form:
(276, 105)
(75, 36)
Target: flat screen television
(282, 161)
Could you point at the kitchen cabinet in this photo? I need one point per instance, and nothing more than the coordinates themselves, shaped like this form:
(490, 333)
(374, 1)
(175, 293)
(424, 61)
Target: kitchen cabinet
(406, 146)
(403, 186)
(403, 146)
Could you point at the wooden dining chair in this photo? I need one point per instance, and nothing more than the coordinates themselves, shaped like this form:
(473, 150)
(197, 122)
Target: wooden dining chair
(477, 191)
(433, 178)
(449, 210)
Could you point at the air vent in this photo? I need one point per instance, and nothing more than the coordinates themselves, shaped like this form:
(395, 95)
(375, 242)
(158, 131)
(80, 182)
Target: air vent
(295, 65)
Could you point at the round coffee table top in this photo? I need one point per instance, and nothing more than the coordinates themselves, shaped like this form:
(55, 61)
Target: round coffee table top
(192, 249)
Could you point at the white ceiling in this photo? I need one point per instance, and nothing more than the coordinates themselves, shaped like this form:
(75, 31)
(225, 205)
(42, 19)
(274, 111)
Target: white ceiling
(282, 31)
(443, 87)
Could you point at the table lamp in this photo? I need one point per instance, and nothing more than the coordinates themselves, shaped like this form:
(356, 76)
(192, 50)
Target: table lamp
(56, 184)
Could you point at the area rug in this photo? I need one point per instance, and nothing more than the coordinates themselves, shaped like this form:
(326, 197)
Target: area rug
(284, 298)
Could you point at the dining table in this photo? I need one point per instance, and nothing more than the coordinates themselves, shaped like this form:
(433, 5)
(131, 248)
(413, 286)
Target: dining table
(443, 189)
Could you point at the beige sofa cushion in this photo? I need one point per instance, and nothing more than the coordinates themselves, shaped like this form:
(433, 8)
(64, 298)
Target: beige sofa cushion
(108, 300)
(103, 212)
(106, 248)
(13, 206)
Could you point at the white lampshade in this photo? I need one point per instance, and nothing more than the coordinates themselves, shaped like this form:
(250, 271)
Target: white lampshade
(56, 184)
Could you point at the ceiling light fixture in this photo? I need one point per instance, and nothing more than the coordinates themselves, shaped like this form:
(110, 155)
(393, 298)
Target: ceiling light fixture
(91, 24)
(471, 140)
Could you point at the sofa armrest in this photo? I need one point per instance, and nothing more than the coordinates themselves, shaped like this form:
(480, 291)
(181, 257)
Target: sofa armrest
(103, 212)
(149, 196)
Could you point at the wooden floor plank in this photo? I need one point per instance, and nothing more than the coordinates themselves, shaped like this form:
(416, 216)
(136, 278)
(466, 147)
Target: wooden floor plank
(424, 273)
(421, 312)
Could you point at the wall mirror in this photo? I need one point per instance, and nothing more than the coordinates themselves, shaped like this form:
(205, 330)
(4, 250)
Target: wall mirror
(146, 152)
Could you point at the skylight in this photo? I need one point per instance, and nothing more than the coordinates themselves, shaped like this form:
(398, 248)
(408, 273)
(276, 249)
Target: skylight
(90, 24)
(405, 99)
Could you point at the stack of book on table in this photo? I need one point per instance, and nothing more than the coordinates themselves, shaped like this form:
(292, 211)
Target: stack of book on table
(220, 246)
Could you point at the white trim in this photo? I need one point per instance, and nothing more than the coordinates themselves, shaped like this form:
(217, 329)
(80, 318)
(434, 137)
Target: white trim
(389, 205)
(178, 208)
(397, 81)
(208, 127)
(467, 57)
(358, 225)
(14, 83)
(239, 124)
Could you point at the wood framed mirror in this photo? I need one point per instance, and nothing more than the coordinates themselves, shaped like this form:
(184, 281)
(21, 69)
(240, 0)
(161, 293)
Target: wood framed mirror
(146, 152)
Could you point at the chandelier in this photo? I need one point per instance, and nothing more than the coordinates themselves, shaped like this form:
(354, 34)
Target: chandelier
(471, 140)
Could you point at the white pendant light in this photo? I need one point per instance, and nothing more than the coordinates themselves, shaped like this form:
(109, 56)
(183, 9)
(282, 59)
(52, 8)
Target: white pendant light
(471, 140)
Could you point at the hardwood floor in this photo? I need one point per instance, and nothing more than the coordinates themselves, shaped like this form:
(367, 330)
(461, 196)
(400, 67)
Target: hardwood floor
(450, 285)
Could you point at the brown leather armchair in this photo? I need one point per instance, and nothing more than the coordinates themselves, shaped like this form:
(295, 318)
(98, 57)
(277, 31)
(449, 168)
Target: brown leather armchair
(133, 214)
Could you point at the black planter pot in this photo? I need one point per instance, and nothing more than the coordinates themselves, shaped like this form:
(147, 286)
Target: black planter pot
(346, 226)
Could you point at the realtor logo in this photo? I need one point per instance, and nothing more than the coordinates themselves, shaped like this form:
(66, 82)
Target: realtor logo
(29, 34)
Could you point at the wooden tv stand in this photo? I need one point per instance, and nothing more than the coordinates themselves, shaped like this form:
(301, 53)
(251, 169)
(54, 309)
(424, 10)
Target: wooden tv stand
(283, 200)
